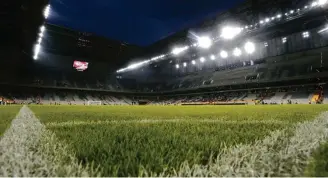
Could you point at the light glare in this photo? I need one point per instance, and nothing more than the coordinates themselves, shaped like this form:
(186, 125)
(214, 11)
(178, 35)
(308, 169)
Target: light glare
(204, 42)
(237, 52)
(249, 47)
(212, 57)
(224, 54)
(229, 33)
(322, 2)
(46, 11)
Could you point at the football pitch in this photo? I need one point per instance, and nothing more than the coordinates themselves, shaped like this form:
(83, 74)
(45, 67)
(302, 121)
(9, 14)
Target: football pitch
(278, 140)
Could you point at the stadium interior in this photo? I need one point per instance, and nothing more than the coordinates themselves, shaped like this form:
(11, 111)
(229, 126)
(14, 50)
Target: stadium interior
(242, 94)
(260, 52)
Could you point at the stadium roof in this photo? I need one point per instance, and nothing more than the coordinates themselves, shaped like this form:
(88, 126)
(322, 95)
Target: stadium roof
(252, 15)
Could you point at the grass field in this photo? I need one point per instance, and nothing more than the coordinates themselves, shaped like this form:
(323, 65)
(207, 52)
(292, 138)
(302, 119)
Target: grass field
(129, 140)
(7, 114)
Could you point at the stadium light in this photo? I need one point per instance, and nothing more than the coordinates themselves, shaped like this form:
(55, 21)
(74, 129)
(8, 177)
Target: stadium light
(202, 59)
(315, 3)
(46, 11)
(39, 40)
(266, 44)
(184, 64)
(193, 62)
(237, 52)
(42, 28)
(322, 2)
(36, 51)
(177, 66)
(212, 57)
(249, 47)
(177, 51)
(229, 33)
(267, 20)
(306, 34)
(284, 39)
(204, 42)
(223, 54)
(279, 16)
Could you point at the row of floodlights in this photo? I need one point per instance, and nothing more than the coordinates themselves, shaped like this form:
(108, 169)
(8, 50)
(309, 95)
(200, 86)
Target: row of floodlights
(249, 48)
(230, 32)
(237, 52)
(289, 13)
(37, 46)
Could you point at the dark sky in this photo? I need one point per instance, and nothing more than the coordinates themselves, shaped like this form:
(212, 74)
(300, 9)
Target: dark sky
(140, 22)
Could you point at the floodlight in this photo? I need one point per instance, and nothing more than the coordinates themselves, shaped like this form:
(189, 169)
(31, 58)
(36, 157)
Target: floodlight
(42, 29)
(284, 39)
(267, 20)
(272, 18)
(322, 2)
(261, 22)
(306, 34)
(202, 59)
(249, 47)
(279, 16)
(193, 62)
(177, 66)
(230, 32)
(177, 51)
(212, 57)
(266, 44)
(305, 7)
(224, 54)
(314, 4)
(204, 42)
(46, 11)
(292, 11)
(36, 51)
(39, 40)
(41, 34)
(184, 64)
(237, 52)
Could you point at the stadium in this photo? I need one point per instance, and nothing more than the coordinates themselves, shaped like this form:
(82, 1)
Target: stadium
(241, 94)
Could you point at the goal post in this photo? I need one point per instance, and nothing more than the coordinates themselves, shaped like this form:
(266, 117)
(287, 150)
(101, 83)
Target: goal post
(89, 103)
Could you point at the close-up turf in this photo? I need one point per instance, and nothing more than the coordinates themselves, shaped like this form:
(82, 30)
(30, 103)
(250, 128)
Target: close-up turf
(162, 140)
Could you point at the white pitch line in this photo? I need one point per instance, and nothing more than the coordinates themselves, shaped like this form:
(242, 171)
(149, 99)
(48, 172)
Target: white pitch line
(27, 149)
(279, 154)
(154, 121)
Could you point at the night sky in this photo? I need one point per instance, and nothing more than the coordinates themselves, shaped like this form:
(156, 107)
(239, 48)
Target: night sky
(139, 22)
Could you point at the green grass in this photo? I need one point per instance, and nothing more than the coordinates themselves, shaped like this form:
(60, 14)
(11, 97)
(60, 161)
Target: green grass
(318, 166)
(124, 139)
(7, 114)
